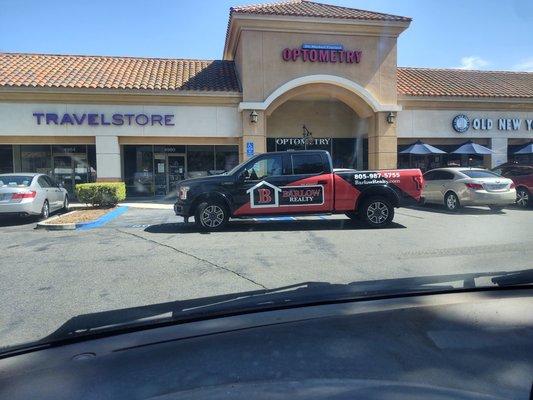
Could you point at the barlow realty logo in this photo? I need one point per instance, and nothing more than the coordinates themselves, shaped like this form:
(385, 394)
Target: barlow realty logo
(323, 53)
(461, 123)
(265, 194)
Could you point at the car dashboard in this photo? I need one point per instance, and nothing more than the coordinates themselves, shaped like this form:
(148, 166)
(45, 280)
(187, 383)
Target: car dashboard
(465, 345)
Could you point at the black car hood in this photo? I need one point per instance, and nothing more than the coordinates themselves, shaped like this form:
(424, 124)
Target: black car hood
(204, 179)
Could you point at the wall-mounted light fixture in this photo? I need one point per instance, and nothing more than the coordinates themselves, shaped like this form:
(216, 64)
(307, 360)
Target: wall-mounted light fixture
(390, 117)
(253, 117)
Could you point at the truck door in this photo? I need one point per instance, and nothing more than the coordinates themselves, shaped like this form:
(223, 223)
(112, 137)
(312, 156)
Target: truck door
(258, 185)
(311, 187)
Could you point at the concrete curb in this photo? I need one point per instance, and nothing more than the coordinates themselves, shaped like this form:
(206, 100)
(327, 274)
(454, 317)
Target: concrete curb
(56, 227)
(104, 219)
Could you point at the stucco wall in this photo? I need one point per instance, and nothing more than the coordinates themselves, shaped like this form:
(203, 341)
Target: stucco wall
(438, 124)
(264, 70)
(189, 121)
(322, 118)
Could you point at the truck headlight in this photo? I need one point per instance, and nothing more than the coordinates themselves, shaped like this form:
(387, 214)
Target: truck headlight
(183, 192)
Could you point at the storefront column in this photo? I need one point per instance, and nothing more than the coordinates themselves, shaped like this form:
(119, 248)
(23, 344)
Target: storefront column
(382, 143)
(499, 146)
(254, 132)
(108, 159)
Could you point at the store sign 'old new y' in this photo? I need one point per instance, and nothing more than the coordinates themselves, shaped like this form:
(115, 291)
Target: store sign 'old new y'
(461, 123)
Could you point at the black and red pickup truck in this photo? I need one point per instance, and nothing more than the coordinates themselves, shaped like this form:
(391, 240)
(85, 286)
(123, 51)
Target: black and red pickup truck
(296, 183)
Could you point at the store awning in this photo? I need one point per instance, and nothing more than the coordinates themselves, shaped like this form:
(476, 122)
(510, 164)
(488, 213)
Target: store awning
(527, 149)
(472, 148)
(421, 148)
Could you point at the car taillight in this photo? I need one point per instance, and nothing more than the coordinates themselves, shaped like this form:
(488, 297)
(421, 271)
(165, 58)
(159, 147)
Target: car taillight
(474, 186)
(512, 186)
(24, 195)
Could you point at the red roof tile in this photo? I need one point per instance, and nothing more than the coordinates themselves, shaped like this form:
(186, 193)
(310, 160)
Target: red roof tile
(464, 83)
(305, 8)
(100, 72)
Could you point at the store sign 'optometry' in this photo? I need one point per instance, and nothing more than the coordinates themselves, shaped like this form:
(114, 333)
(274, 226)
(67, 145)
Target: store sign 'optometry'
(102, 119)
(323, 53)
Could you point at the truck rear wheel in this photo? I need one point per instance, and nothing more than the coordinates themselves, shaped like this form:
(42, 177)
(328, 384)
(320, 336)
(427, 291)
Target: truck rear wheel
(376, 212)
(211, 216)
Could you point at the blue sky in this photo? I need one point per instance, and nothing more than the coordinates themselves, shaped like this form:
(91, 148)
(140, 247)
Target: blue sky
(479, 34)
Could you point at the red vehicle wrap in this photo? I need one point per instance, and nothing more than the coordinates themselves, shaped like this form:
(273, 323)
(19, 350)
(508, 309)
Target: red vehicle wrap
(299, 182)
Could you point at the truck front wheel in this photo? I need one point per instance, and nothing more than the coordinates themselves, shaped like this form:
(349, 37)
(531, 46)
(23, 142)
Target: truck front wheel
(376, 212)
(211, 216)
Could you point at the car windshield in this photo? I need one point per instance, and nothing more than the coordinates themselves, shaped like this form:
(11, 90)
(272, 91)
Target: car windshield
(475, 173)
(194, 160)
(15, 180)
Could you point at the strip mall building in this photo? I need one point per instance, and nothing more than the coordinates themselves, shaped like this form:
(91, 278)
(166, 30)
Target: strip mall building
(151, 122)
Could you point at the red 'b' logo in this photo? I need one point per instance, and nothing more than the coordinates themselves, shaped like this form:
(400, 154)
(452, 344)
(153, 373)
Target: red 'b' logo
(264, 196)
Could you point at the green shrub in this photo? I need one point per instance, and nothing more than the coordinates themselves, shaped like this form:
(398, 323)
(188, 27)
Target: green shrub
(101, 194)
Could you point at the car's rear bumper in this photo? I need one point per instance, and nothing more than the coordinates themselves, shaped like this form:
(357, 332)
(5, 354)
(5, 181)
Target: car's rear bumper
(20, 209)
(484, 198)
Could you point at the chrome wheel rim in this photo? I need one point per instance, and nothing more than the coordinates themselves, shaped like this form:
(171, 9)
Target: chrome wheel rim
(451, 202)
(522, 198)
(212, 216)
(46, 211)
(377, 212)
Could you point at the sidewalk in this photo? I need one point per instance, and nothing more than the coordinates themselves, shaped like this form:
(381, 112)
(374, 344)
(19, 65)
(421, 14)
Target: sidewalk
(147, 203)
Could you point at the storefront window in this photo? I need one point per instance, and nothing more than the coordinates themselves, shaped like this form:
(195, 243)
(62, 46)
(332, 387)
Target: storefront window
(6, 159)
(36, 158)
(226, 157)
(345, 152)
(432, 161)
(200, 161)
(138, 170)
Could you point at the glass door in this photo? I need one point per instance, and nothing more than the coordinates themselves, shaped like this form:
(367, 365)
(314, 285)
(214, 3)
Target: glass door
(176, 171)
(64, 172)
(70, 169)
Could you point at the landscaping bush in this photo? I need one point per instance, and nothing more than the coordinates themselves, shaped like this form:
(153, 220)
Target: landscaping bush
(101, 194)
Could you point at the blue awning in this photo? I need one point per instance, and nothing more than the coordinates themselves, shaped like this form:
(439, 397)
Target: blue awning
(421, 149)
(527, 149)
(472, 148)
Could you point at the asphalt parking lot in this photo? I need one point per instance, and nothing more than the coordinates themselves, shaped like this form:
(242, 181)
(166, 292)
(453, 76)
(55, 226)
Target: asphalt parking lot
(148, 256)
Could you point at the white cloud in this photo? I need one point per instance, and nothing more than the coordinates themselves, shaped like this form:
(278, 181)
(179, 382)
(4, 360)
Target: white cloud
(524, 65)
(473, 62)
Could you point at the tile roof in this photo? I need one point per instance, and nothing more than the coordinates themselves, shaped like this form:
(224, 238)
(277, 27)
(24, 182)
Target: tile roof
(464, 83)
(306, 8)
(100, 72)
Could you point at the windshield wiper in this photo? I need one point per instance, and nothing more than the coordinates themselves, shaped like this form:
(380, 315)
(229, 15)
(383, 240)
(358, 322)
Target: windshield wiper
(288, 296)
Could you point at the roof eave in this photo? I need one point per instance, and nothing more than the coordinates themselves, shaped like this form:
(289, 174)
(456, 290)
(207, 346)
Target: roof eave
(350, 26)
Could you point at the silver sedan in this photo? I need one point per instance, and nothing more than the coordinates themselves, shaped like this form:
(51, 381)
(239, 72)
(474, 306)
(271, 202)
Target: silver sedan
(25, 194)
(456, 187)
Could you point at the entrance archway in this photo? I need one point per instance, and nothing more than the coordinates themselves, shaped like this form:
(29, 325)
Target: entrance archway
(307, 98)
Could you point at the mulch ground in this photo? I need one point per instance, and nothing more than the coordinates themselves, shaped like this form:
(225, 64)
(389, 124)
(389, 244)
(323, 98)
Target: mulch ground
(77, 216)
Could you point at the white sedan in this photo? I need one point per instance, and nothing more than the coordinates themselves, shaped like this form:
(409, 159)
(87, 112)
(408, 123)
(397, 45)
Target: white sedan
(456, 187)
(25, 194)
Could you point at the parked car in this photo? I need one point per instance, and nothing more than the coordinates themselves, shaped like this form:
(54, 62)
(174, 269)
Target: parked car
(456, 187)
(25, 194)
(522, 176)
(296, 182)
